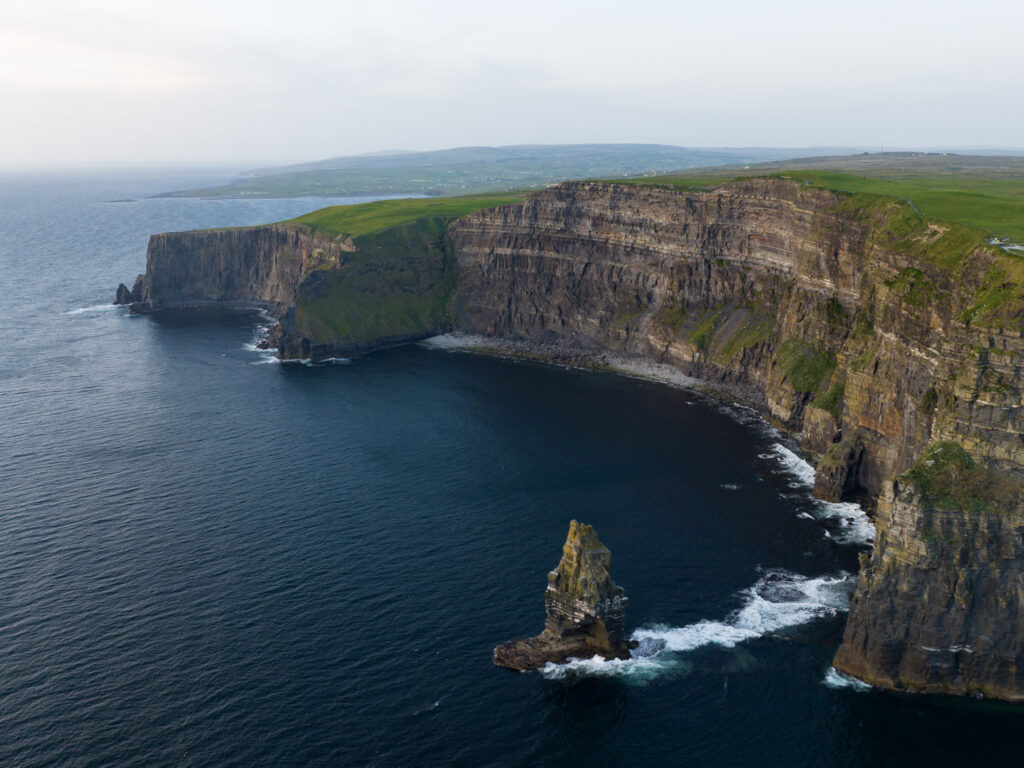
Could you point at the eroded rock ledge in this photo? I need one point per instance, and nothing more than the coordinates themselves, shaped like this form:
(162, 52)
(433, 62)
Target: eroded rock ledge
(585, 609)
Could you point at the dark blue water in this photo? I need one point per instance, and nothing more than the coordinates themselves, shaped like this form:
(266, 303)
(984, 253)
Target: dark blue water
(209, 559)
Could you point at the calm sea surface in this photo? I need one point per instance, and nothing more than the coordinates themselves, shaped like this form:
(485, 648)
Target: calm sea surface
(210, 559)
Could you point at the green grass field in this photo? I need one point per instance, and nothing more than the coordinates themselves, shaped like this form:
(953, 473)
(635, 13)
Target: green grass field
(366, 218)
(992, 202)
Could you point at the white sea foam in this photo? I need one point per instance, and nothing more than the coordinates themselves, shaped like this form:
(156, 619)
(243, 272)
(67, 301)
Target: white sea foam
(777, 601)
(745, 415)
(730, 486)
(854, 525)
(836, 679)
(272, 358)
(693, 636)
(637, 668)
(266, 356)
(263, 327)
(801, 472)
(97, 308)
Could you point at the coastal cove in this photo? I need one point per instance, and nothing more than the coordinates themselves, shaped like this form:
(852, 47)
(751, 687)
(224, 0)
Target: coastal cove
(211, 557)
(887, 342)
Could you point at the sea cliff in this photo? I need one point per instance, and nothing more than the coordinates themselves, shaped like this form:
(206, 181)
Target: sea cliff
(255, 265)
(870, 332)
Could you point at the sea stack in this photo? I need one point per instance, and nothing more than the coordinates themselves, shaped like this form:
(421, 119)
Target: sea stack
(585, 609)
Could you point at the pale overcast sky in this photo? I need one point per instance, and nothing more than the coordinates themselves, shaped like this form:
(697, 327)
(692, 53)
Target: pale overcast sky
(134, 81)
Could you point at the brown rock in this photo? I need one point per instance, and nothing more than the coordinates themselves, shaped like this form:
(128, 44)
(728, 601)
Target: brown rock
(585, 609)
(939, 606)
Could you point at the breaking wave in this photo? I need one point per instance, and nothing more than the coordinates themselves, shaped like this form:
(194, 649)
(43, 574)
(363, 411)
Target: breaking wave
(779, 600)
(97, 308)
(269, 357)
(836, 679)
(852, 524)
(264, 326)
(800, 472)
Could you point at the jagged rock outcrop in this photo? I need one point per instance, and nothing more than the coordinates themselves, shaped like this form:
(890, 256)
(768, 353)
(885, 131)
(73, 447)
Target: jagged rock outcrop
(585, 609)
(124, 294)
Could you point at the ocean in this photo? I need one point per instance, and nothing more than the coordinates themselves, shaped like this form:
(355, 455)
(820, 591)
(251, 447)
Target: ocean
(211, 558)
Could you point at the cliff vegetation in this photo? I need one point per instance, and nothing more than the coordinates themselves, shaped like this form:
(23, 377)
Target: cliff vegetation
(367, 218)
(975, 192)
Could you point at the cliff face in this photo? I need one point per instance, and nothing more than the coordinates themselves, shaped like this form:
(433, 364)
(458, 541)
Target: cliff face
(333, 295)
(394, 287)
(940, 607)
(822, 315)
(259, 265)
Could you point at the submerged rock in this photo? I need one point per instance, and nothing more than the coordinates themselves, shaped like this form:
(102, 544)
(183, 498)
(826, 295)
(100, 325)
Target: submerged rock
(585, 609)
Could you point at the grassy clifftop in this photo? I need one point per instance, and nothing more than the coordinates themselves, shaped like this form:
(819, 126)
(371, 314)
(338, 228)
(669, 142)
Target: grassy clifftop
(366, 218)
(984, 199)
(397, 282)
(402, 274)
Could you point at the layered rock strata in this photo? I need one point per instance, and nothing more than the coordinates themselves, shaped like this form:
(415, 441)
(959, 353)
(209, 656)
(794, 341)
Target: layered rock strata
(940, 606)
(868, 331)
(585, 609)
(776, 292)
(333, 295)
(248, 265)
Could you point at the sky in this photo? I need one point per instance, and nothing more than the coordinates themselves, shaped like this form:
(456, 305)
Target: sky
(206, 81)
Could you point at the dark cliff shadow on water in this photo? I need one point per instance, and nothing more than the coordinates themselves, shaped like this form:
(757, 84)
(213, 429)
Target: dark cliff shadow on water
(899, 729)
(204, 318)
